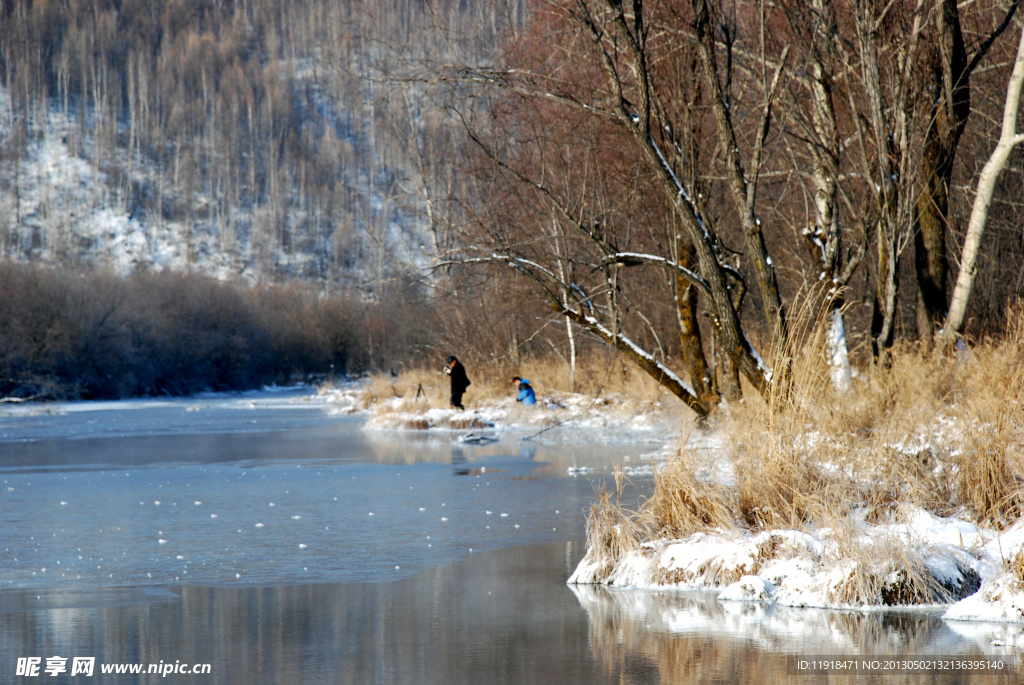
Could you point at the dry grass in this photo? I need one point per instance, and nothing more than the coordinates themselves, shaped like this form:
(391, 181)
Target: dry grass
(1015, 567)
(684, 501)
(880, 572)
(612, 531)
(943, 432)
(595, 376)
(687, 500)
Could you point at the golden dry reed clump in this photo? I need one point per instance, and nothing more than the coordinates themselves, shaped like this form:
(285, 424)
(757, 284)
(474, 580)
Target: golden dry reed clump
(612, 530)
(944, 432)
(595, 376)
(684, 501)
(940, 431)
(1016, 568)
(687, 499)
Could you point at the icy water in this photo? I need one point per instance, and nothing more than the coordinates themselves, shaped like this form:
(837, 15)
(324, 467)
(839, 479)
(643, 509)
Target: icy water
(279, 543)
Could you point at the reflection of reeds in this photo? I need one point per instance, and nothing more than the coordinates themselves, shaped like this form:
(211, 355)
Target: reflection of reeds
(688, 637)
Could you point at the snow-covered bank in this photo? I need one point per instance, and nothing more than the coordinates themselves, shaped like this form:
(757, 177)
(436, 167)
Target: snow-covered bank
(609, 419)
(868, 567)
(866, 560)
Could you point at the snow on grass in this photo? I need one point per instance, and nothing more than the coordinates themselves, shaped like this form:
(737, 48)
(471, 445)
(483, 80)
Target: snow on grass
(614, 418)
(1001, 596)
(999, 600)
(800, 569)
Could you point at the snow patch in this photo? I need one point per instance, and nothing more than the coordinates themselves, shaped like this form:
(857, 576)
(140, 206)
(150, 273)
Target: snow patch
(801, 569)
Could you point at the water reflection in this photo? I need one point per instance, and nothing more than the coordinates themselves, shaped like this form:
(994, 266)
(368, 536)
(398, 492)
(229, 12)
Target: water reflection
(691, 637)
(552, 458)
(501, 617)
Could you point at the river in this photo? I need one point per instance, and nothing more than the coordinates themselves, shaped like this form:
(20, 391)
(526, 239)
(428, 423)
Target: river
(278, 542)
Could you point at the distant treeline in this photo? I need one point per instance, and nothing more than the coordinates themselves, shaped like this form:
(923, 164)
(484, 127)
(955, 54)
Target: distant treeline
(91, 335)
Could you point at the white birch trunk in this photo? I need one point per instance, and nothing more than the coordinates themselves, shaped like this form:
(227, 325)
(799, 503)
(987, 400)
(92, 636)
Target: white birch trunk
(839, 357)
(572, 353)
(1008, 138)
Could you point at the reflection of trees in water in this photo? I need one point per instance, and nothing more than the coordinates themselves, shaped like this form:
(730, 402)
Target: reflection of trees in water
(502, 617)
(413, 447)
(691, 637)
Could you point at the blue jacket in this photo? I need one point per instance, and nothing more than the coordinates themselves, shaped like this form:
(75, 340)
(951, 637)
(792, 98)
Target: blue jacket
(526, 393)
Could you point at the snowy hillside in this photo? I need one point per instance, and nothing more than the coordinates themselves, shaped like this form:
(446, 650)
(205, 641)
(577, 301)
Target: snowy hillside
(59, 205)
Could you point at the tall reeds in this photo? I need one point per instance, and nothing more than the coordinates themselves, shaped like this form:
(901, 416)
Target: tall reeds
(945, 433)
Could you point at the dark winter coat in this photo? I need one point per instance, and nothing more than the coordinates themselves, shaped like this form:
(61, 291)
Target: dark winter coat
(460, 381)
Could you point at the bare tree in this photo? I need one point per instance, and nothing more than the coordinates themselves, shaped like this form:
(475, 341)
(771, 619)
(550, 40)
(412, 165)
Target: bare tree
(624, 90)
(951, 68)
(1008, 139)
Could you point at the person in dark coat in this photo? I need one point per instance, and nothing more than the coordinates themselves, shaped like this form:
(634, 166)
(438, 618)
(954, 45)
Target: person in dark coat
(460, 381)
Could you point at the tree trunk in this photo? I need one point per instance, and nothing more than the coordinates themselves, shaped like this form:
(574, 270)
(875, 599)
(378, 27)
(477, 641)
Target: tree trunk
(889, 128)
(883, 311)
(824, 242)
(952, 107)
(572, 354)
(743, 190)
(1008, 138)
(839, 357)
(728, 374)
(690, 344)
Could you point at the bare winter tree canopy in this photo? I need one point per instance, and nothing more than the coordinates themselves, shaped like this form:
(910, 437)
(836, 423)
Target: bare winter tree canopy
(646, 166)
(696, 185)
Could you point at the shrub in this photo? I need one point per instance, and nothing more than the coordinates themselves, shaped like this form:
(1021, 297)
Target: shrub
(90, 335)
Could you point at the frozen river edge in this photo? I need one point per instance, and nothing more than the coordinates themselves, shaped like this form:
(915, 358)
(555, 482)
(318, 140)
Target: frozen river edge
(797, 568)
(970, 566)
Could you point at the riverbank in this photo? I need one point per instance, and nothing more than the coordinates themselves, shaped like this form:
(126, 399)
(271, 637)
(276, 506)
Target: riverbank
(418, 401)
(906, 490)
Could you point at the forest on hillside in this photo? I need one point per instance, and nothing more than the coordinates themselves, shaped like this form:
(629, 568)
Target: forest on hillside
(258, 138)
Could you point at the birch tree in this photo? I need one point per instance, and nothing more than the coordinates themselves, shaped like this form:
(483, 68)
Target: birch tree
(952, 67)
(1008, 139)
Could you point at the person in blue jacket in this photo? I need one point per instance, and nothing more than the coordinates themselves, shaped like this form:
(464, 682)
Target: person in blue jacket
(526, 394)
